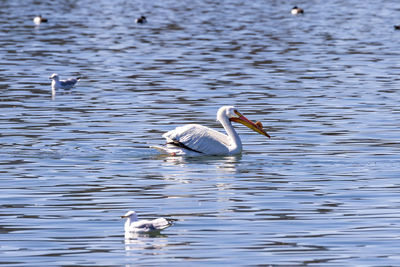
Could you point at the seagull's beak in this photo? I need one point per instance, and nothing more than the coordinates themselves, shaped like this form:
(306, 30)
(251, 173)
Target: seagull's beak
(257, 127)
(123, 216)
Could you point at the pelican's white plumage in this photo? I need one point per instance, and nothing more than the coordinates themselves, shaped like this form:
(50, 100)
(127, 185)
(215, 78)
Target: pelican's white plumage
(199, 138)
(134, 225)
(195, 140)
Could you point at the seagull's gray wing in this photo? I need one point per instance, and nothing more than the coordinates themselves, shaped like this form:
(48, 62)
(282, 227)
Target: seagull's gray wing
(69, 83)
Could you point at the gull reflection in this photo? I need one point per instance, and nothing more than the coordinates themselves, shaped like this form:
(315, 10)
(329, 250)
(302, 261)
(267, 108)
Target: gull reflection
(136, 242)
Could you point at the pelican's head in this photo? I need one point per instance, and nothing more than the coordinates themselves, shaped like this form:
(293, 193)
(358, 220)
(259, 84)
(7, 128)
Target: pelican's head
(233, 114)
(55, 77)
(131, 215)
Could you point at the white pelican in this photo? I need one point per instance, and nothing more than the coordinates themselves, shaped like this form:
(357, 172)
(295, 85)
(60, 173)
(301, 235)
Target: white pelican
(39, 19)
(197, 140)
(56, 83)
(297, 10)
(133, 225)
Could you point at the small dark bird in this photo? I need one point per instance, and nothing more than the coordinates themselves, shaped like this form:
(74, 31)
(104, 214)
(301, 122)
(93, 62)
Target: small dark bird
(39, 19)
(396, 27)
(141, 20)
(296, 10)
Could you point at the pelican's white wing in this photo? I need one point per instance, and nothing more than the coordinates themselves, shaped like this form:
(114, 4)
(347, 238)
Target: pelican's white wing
(200, 138)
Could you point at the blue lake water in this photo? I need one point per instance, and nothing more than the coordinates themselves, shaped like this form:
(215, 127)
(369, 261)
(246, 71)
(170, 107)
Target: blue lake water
(324, 190)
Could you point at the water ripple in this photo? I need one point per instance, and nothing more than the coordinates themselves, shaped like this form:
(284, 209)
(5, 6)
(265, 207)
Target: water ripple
(322, 190)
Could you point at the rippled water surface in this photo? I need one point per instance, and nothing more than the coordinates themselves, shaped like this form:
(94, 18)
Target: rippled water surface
(324, 190)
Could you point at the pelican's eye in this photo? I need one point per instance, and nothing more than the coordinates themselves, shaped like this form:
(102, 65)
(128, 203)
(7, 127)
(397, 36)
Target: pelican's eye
(236, 113)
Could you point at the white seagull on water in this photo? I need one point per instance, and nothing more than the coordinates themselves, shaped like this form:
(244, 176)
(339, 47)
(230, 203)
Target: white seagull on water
(296, 10)
(133, 225)
(56, 83)
(197, 140)
(39, 19)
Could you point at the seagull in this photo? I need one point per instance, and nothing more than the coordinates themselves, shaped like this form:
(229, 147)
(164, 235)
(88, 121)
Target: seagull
(39, 19)
(133, 225)
(141, 20)
(56, 83)
(197, 140)
(296, 10)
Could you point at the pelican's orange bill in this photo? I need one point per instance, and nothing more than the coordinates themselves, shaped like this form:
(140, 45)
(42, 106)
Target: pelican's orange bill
(257, 127)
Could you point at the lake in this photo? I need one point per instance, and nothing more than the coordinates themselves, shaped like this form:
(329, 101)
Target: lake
(324, 190)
